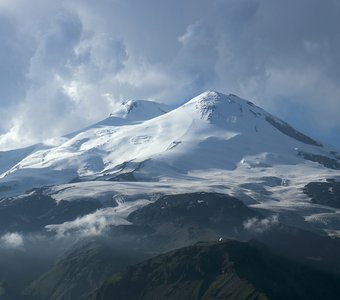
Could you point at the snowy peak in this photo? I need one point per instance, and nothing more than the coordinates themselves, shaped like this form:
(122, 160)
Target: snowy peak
(130, 112)
(234, 112)
(216, 107)
(139, 110)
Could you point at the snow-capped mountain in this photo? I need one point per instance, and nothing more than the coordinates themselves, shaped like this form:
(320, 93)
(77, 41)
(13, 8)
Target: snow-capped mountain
(213, 142)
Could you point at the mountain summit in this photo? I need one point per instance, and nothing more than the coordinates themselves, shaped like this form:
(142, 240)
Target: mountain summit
(220, 109)
(139, 110)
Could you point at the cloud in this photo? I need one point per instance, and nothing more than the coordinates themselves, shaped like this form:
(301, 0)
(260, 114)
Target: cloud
(12, 241)
(89, 225)
(68, 63)
(261, 225)
(67, 75)
(98, 222)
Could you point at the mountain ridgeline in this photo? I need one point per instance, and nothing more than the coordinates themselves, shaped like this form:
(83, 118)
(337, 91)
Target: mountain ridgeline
(149, 141)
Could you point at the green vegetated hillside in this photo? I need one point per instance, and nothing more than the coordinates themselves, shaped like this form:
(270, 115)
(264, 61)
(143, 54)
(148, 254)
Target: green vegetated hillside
(222, 270)
(284, 260)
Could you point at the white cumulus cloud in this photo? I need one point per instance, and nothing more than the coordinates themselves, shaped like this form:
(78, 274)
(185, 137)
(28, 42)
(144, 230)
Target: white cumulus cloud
(12, 240)
(260, 225)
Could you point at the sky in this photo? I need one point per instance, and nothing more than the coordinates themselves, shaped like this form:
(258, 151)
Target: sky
(67, 64)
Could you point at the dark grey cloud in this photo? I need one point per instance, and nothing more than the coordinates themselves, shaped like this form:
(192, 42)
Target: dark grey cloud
(14, 55)
(56, 46)
(68, 63)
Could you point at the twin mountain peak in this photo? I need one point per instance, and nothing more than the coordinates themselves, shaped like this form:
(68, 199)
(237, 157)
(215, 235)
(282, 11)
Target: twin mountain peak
(228, 111)
(210, 132)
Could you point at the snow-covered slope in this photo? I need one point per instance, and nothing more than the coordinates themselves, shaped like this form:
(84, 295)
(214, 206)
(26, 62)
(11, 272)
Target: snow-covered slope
(212, 131)
(213, 142)
(129, 112)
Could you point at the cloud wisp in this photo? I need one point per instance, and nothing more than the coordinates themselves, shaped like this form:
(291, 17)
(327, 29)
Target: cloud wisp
(257, 225)
(88, 225)
(12, 240)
